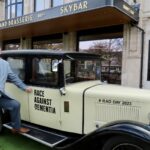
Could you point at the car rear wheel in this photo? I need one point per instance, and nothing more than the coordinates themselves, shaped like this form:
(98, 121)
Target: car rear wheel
(125, 143)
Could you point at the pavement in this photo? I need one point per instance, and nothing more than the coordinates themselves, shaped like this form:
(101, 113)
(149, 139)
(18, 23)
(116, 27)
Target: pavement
(9, 141)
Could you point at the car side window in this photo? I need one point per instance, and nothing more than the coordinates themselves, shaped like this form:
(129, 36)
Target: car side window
(42, 73)
(18, 66)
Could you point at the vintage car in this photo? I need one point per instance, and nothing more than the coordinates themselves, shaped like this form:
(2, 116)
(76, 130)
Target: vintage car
(71, 109)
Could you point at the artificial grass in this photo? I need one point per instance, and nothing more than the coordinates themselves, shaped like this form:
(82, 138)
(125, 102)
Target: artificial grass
(9, 141)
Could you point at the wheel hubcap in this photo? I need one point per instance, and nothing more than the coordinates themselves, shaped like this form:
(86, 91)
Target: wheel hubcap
(127, 146)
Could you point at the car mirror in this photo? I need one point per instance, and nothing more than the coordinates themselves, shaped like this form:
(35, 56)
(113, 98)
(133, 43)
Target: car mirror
(55, 63)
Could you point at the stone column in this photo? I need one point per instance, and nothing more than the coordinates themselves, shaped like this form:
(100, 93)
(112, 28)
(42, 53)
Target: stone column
(2, 8)
(70, 41)
(146, 27)
(28, 6)
(131, 59)
(1, 45)
(25, 43)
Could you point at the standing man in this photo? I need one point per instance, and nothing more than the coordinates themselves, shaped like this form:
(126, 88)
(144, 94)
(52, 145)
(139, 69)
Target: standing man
(8, 103)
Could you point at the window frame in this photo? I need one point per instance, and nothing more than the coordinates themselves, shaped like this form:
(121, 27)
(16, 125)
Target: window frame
(35, 3)
(24, 66)
(148, 66)
(74, 70)
(53, 39)
(51, 5)
(15, 41)
(28, 70)
(30, 63)
(15, 3)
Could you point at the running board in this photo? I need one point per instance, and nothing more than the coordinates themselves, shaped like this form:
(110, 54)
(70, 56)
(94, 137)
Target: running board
(47, 138)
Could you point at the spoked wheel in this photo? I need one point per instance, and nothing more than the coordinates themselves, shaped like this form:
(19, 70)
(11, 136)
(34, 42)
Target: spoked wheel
(125, 143)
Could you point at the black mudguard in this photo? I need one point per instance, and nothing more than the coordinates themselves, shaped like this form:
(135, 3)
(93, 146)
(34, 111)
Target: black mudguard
(101, 135)
(1, 123)
(5, 116)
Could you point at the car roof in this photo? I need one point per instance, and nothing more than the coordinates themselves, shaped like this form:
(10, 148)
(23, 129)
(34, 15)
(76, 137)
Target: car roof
(44, 52)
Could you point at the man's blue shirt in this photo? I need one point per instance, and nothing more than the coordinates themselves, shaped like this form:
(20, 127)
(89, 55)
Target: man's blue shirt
(7, 74)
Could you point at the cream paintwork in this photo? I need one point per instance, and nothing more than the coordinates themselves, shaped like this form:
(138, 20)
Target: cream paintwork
(72, 121)
(47, 119)
(137, 110)
(28, 113)
(22, 97)
(97, 113)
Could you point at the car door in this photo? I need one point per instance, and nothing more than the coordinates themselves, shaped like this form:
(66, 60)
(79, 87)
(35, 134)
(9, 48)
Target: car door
(44, 101)
(18, 67)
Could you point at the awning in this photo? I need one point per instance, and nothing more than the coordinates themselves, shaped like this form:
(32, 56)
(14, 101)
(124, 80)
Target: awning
(76, 16)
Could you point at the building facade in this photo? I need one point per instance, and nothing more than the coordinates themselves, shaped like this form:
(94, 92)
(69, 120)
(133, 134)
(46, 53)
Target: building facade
(63, 24)
(136, 55)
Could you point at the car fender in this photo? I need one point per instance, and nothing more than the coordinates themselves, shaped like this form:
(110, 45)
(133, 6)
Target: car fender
(101, 135)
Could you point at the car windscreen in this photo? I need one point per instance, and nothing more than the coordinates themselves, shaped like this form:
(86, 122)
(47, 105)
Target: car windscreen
(79, 70)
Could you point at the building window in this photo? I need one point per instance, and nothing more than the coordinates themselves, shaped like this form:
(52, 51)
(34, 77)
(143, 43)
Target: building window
(93, 41)
(42, 4)
(11, 45)
(14, 8)
(45, 4)
(53, 42)
(57, 2)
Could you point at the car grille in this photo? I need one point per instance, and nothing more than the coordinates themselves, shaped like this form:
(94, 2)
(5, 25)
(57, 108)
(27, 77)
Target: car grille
(108, 113)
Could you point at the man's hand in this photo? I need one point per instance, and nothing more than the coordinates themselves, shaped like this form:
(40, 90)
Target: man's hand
(28, 90)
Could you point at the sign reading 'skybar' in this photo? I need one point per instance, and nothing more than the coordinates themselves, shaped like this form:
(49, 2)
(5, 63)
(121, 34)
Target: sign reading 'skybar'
(68, 9)
(74, 7)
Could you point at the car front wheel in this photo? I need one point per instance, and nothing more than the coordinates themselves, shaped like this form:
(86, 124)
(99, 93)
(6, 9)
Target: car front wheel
(125, 143)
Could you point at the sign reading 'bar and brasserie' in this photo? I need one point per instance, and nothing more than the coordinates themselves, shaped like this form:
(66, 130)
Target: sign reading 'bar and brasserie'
(46, 14)
(16, 21)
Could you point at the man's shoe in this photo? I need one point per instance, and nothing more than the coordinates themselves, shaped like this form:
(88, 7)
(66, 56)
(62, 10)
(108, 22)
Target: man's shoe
(20, 130)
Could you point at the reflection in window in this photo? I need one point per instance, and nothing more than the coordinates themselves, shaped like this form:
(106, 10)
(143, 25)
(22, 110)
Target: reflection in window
(57, 2)
(69, 1)
(18, 67)
(13, 11)
(41, 4)
(45, 4)
(13, 8)
(88, 69)
(111, 52)
(81, 70)
(47, 45)
(19, 10)
(42, 73)
(8, 2)
(11, 45)
(53, 42)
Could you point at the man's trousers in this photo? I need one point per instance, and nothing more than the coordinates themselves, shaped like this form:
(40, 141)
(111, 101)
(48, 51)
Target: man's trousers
(13, 106)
